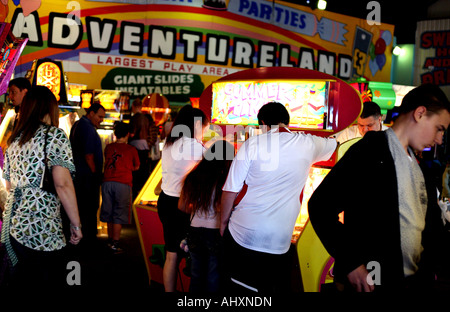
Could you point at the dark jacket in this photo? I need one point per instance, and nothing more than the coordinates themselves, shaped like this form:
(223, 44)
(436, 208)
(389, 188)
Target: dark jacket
(363, 184)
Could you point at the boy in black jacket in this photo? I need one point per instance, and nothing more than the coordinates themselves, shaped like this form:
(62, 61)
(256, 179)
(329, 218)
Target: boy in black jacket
(391, 221)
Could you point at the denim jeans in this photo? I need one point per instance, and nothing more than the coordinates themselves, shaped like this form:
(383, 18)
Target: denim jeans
(205, 249)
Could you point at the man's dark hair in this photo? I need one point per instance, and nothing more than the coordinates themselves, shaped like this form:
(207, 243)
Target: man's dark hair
(94, 108)
(427, 95)
(121, 129)
(370, 109)
(272, 114)
(21, 83)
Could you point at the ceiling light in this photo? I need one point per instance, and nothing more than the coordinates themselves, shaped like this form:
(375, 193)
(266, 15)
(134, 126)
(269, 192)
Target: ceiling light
(397, 51)
(321, 4)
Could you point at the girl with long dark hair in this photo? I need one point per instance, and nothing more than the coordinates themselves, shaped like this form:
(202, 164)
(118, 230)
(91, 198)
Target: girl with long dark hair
(200, 197)
(182, 151)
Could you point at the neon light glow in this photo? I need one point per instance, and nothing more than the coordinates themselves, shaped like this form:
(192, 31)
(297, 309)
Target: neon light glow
(49, 75)
(238, 102)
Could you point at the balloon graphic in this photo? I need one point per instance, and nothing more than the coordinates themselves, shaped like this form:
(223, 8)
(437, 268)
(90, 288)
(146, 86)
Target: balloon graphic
(373, 66)
(380, 46)
(381, 60)
(387, 37)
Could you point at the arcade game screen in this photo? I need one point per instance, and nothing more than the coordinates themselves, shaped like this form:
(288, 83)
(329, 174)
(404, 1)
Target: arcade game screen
(238, 102)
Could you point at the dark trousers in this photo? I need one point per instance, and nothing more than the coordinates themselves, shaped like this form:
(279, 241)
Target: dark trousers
(87, 190)
(38, 268)
(251, 271)
(141, 175)
(205, 249)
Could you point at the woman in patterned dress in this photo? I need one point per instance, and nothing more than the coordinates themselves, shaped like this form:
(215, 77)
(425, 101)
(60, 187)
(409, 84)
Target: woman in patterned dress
(32, 230)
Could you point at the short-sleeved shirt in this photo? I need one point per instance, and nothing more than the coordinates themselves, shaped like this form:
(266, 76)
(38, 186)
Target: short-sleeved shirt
(275, 167)
(36, 221)
(351, 132)
(120, 159)
(177, 160)
(85, 140)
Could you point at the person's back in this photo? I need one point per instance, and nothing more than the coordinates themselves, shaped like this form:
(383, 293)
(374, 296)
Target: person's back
(33, 230)
(139, 125)
(86, 141)
(266, 215)
(200, 196)
(270, 171)
(121, 159)
(78, 142)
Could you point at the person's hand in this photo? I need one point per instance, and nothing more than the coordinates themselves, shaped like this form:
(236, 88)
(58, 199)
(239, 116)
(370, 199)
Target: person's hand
(358, 279)
(76, 234)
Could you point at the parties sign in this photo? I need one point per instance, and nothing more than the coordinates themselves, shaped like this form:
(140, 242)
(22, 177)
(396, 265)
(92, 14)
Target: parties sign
(129, 45)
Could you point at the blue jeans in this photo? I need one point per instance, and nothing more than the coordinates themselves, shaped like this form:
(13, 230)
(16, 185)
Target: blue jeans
(205, 249)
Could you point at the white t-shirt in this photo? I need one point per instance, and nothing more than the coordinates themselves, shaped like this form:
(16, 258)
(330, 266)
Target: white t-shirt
(265, 217)
(177, 160)
(351, 132)
(348, 134)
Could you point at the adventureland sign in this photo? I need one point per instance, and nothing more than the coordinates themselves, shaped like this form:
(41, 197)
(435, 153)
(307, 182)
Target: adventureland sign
(178, 47)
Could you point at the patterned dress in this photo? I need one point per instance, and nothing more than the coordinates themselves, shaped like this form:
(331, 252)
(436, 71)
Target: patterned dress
(32, 216)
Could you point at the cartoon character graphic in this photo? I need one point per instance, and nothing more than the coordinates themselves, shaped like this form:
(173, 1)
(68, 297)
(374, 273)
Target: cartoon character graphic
(27, 6)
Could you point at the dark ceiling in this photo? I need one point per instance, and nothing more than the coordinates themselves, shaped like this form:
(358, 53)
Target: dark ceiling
(401, 13)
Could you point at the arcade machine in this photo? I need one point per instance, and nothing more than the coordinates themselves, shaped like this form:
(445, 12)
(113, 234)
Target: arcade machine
(318, 103)
(381, 93)
(11, 49)
(50, 73)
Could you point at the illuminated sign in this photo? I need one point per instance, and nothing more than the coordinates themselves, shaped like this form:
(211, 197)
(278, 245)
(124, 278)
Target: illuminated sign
(238, 102)
(49, 75)
(86, 99)
(109, 99)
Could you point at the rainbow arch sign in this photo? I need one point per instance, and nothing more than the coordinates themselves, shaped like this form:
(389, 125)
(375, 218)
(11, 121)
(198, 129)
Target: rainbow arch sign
(179, 47)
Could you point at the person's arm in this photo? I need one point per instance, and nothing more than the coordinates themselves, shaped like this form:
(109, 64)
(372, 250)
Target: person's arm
(182, 203)
(66, 193)
(90, 161)
(136, 161)
(227, 201)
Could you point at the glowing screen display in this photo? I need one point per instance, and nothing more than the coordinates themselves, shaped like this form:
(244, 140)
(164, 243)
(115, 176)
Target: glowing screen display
(238, 102)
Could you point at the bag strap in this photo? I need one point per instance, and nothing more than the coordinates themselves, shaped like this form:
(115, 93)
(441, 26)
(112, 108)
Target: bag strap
(45, 145)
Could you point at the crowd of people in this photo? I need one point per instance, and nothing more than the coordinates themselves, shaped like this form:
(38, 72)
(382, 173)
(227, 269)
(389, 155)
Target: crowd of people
(233, 213)
(393, 221)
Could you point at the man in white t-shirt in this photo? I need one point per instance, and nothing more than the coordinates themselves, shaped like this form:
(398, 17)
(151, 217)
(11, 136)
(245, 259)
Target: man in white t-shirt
(369, 120)
(271, 169)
